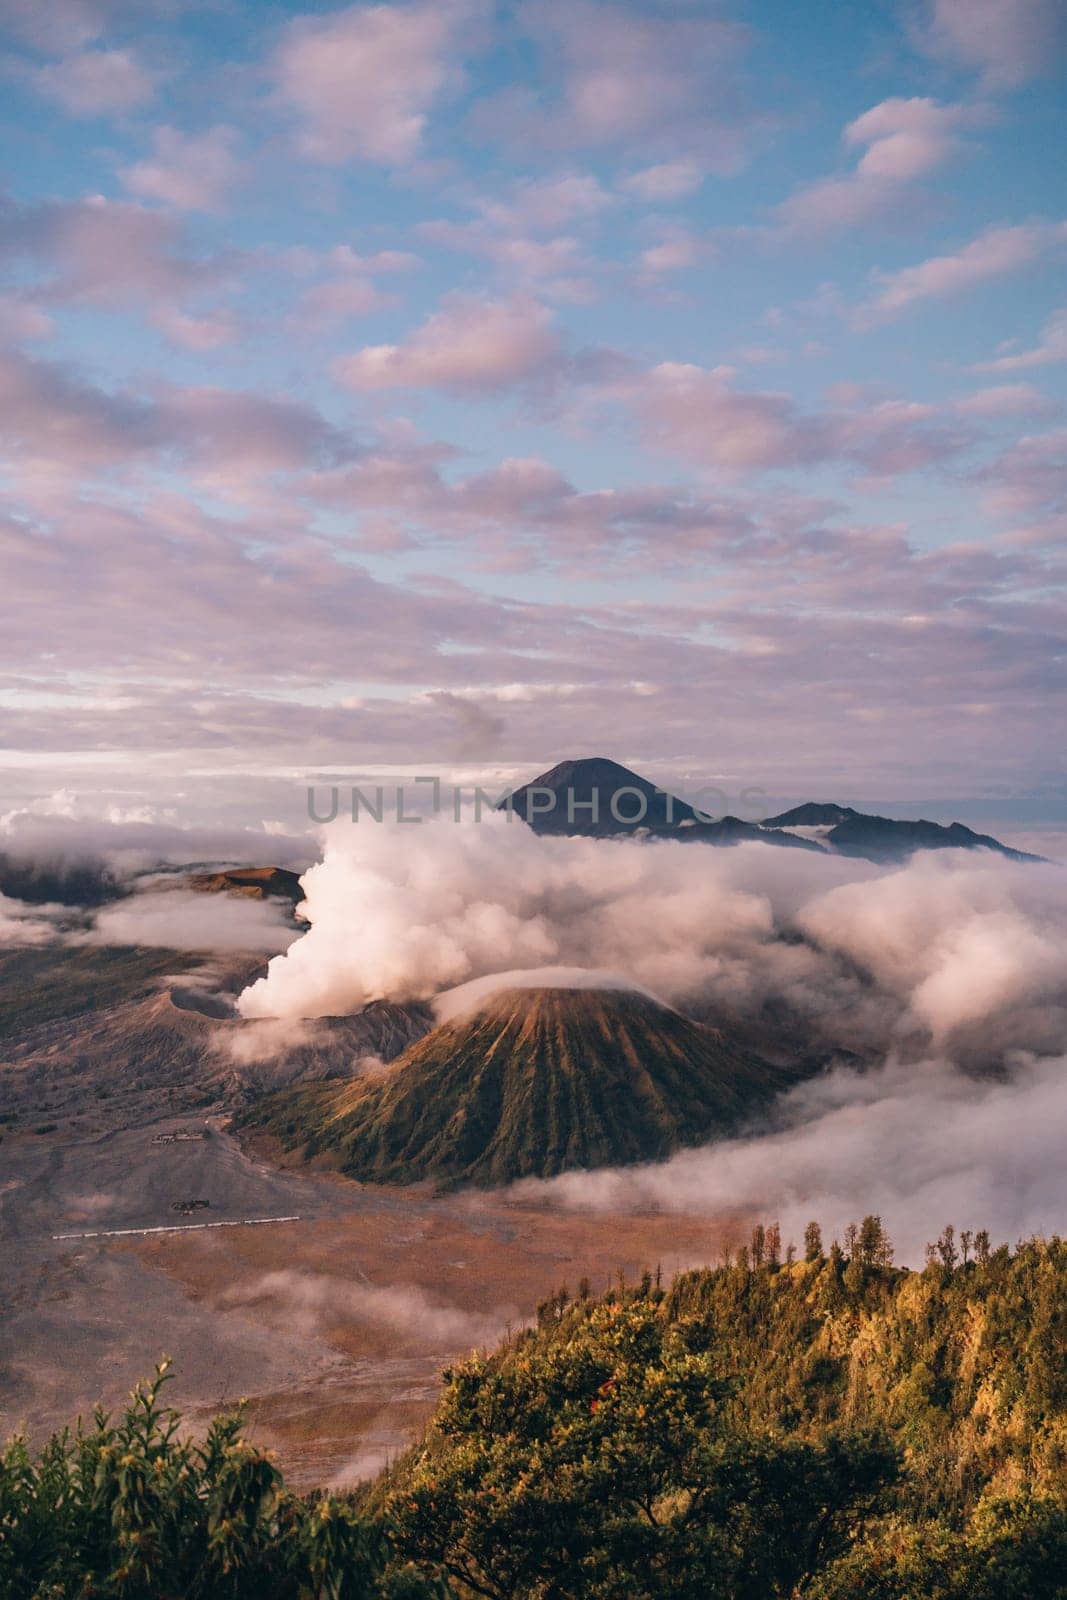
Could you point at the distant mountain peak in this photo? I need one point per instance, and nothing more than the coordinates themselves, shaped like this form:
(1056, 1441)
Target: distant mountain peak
(596, 797)
(599, 798)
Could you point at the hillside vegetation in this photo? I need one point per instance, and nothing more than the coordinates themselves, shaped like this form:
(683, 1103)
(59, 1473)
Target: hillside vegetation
(534, 1083)
(826, 1428)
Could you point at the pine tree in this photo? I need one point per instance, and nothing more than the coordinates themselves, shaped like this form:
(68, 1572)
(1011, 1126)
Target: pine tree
(813, 1242)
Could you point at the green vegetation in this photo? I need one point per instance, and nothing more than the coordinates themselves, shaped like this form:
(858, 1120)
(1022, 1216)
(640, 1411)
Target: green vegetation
(830, 1428)
(131, 1511)
(536, 1082)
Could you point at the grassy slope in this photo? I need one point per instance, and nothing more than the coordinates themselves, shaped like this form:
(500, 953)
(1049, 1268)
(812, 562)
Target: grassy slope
(538, 1082)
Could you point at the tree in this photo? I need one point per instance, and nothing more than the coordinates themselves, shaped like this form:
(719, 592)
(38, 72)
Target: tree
(875, 1249)
(813, 1242)
(129, 1510)
(601, 1459)
(759, 1245)
(945, 1248)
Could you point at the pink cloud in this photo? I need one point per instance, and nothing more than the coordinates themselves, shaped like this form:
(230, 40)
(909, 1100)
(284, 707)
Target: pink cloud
(55, 427)
(700, 415)
(20, 319)
(556, 268)
(1007, 400)
(191, 172)
(1050, 348)
(363, 81)
(905, 140)
(675, 252)
(665, 182)
(470, 346)
(615, 75)
(349, 285)
(70, 24)
(1029, 478)
(997, 253)
(1007, 41)
(121, 254)
(544, 204)
(96, 82)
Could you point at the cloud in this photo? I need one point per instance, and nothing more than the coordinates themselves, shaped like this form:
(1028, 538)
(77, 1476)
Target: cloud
(478, 729)
(60, 835)
(675, 252)
(1050, 348)
(1006, 41)
(256, 1043)
(469, 347)
(21, 320)
(920, 1144)
(362, 81)
(57, 424)
(701, 415)
(315, 1302)
(665, 182)
(22, 924)
(543, 204)
(998, 252)
(96, 83)
(348, 285)
(1029, 477)
(1007, 400)
(905, 140)
(116, 254)
(614, 75)
(471, 997)
(179, 919)
(952, 942)
(191, 172)
(70, 24)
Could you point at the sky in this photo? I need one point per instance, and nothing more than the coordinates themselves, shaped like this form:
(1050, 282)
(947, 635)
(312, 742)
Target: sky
(457, 387)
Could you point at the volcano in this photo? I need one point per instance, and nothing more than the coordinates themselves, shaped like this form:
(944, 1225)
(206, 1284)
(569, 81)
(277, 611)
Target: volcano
(600, 799)
(536, 1082)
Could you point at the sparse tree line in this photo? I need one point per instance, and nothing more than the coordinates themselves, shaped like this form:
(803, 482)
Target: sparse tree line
(816, 1424)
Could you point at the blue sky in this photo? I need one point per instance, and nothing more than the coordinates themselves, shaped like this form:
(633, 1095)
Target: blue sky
(459, 385)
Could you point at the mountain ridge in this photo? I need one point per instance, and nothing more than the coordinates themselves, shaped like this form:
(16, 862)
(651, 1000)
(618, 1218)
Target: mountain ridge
(596, 797)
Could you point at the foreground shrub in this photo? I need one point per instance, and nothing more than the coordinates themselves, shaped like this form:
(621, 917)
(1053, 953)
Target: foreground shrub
(130, 1509)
